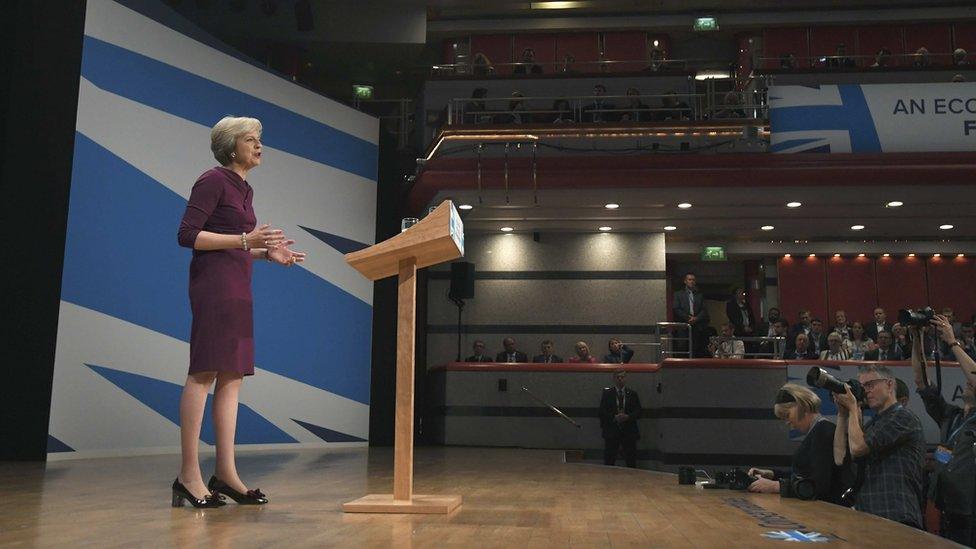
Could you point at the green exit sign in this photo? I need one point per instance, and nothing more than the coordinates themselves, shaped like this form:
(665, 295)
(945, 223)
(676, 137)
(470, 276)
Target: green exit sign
(706, 24)
(361, 92)
(713, 253)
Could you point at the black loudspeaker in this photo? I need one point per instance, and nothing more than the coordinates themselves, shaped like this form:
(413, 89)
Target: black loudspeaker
(303, 15)
(462, 280)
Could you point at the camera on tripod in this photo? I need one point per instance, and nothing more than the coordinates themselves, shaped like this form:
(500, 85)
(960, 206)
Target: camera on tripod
(918, 317)
(818, 377)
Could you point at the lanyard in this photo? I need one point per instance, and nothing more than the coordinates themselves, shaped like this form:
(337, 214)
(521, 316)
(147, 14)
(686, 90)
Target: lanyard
(968, 420)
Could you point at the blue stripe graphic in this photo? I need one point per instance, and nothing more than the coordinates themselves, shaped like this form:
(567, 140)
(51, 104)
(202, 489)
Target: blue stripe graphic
(789, 144)
(186, 95)
(340, 244)
(853, 116)
(121, 259)
(328, 435)
(164, 398)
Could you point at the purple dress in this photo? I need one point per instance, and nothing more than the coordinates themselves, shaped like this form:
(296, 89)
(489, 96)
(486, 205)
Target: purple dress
(222, 335)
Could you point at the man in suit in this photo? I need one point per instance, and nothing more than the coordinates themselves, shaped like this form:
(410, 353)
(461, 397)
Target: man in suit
(619, 353)
(547, 356)
(688, 306)
(818, 338)
(802, 326)
(886, 349)
(800, 350)
(620, 408)
(510, 354)
(879, 325)
(740, 314)
(479, 352)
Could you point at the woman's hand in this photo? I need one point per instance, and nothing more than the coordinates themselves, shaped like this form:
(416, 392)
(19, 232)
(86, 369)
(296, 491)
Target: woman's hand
(945, 329)
(764, 473)
(265, 237)
(764, 486)
(281, 255)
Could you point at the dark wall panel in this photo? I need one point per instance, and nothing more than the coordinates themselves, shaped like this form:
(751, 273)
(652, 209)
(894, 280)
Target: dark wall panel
(779, 42)
(952, 283)
(937, 38)
(802, 285)
(901, 283)
(584, 46)
(498, 49)
(626, 46)
(851, 287)
(872, 38)
(824, 40)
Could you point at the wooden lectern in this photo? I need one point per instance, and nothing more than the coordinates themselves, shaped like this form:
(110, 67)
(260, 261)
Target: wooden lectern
(437, 238)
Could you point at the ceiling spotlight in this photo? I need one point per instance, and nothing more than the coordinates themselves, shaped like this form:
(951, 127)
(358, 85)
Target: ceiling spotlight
(945, 227)
(895, 204)
(465, 207)
(911, 255)
(793, 204)
(836, 255)
(611, 206)
(885, 255)
(860, 255)
(857, 227)
(670, 228)
(605, 228)
(786, 255)
(507, 229)
(767, 227)
(684, 205)
(936, 255)
(960, 255)
(813, 255)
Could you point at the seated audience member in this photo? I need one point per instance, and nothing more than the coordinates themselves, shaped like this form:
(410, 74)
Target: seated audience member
(953, 479)
(959, 58)
(841, 326)
(547, 356)
(799, 407)
(674, 108)
(619, 353)
(818, 339)
(902, 343)
(731, 106)
(597, 110)
(840, 59)
(880, 324)
(516, 111)
(787, 61)
(620, 408)
(958, 78)
(528, 64)
(637, 110)
(967, 340)
(891, 448)
(882, 59)
(562, 112)
(859, 342)
(775, 348)
(802, 325)
(482, 65)
(951, 317)
(726, 345)
(800, 350)
(921, 59)
(479, 352)
(771, 317)
(885, 349)
(510, 354)
(657, 61)
(836, 350)
(476, 112)
(569, 62)
(739, 313)
(583, 354)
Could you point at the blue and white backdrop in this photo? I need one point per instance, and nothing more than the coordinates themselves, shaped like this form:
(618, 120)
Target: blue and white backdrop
(148, 97)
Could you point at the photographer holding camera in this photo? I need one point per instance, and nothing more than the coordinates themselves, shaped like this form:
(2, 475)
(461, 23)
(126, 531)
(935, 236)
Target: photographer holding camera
(813, 474)
(953, 480)
(891, 449)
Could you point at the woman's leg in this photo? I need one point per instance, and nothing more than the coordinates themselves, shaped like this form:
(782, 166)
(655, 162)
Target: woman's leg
(225, 424)
(192, 404)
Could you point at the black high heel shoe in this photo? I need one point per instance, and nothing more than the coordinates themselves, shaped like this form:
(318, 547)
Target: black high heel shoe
(181, 494)
(252, 497)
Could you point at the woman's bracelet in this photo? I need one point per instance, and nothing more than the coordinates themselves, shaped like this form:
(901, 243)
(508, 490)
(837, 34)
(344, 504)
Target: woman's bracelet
(244, 241)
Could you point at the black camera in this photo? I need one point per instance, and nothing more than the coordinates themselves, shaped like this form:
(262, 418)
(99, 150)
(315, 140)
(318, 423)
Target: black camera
(818, 377)
(800, 488)
(735, 479)
(918, 317)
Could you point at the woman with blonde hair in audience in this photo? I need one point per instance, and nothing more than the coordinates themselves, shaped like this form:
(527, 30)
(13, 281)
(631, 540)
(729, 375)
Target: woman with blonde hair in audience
(583, 354)
(813, 474)
(836, 350)
(859, 343)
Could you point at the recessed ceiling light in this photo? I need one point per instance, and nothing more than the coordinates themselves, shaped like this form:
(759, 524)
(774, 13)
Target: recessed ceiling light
(860, 255)
(936, 255)
(895, 204)
(836, 255)
(813, 255)
(857, 227)
(886, 255)
(960, 255)
(684, 205)
(611, 206)
(767, 227)
(507, 229)
(465, 207)
(786, 255)
(605, 228)
(911, 255)
(793, 204)
(670, 228)
(945, 227)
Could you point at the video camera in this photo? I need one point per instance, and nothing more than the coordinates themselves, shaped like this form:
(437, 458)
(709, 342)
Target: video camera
(818, 377)
(919, 317)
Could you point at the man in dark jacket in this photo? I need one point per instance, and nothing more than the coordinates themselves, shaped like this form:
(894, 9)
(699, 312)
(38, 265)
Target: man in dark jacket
(511, 352)
(620, 408)
(688, 306)
(619, 353)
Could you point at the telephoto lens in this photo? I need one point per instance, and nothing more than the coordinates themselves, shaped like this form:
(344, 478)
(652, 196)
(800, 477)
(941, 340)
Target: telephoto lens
(818, 377)
(920, 317)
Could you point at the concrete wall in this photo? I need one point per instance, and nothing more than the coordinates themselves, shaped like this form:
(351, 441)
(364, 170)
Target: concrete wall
(565, 287)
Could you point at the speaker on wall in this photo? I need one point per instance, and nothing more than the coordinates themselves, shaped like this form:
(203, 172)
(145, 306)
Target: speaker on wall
(462, 280)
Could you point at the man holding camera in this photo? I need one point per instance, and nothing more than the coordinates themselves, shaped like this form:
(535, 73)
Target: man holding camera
(953, 480)
(891, 449)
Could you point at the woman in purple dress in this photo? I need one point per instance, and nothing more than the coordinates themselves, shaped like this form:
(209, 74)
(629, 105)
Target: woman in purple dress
(220, 226)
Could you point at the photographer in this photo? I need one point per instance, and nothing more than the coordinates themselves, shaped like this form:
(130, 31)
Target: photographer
(953, 480)
(813, 461)
(891, 449)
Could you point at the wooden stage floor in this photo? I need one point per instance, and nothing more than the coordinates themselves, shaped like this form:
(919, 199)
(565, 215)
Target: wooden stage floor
(512, 498)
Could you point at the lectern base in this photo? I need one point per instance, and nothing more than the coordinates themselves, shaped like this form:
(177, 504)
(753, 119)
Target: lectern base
(384, 503)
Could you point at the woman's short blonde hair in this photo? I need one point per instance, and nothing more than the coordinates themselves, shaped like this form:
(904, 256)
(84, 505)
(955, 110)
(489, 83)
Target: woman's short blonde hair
(223, 136)
(803, 398)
